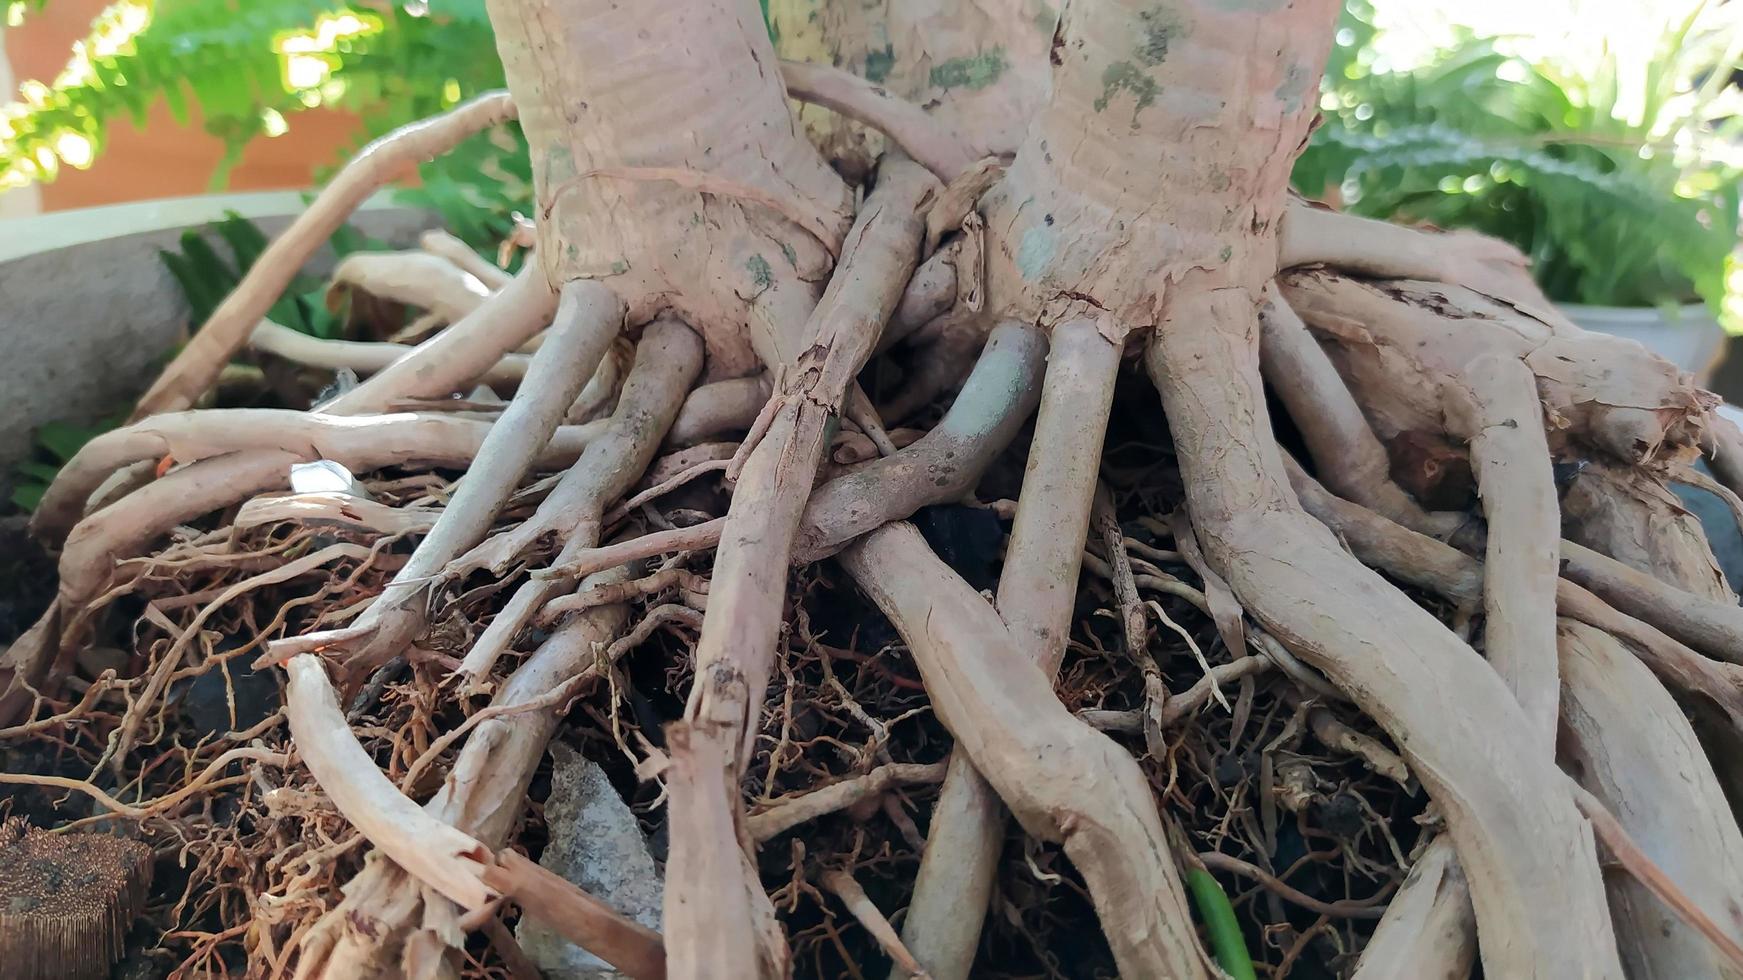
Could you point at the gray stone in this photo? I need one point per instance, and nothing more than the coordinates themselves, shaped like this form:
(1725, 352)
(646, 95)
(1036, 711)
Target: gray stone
(597, 844)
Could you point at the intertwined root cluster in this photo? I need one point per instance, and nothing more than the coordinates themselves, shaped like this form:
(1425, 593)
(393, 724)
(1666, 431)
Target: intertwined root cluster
(1389, 611)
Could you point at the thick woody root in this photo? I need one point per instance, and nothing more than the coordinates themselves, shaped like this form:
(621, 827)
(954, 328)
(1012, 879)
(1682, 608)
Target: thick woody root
(668, 359)
(1395, 341)
(1428, 930)
(362, 444)
(196, 367)
(1410, 369)
(362, 357)
(481, 795)
(1000, 394)
(1666, 574)
(1063, 780)
(1626, 741)
(448, 863)
(434, 369)
(1353, 462)
(1630, 515)
(735, 654)
(1337, 615)
(438, 242)
(1437, 567)
(1493, 403)
(1315, 235)
(1036, 596)
(1438, 898)
(429, 282)
(763, 522)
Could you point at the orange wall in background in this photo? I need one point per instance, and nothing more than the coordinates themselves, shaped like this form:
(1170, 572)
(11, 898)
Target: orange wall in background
(165, 159)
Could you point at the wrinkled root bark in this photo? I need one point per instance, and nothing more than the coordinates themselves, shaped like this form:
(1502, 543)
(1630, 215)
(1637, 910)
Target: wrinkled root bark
(1481, 586)
(1063, 780)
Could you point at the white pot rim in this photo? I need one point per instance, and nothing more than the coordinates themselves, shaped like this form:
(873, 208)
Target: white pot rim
(55, 230)
(1641, 314)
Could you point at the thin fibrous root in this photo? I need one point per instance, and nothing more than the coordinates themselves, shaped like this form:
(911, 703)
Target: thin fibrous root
(227, 329)
(1177, 706)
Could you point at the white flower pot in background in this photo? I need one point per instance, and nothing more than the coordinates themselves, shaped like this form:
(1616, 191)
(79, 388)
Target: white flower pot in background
(89, 312)
(1688, 336)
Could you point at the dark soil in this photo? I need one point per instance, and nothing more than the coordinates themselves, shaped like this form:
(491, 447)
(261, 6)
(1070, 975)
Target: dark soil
(27, 579)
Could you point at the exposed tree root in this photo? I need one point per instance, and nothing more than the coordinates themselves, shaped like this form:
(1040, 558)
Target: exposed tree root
(224, 333)
(1493, 403)
(1627, 743)
(1062, 780)
(421, 279)
(1273, 684)
(1035, 598)
(1428, 930)
(1275, 560)
(668, 360)
(588, 320)
(364, 357)
(480, 797)
(438, 242)
(933, 147)
(1351, 459)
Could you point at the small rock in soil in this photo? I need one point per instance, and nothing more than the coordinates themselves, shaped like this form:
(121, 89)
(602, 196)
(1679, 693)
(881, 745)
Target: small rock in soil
(597, 844)
(966, 538)
(206, 699)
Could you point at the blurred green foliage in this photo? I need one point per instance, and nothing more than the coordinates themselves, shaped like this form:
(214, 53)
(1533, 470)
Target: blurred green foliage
(247, 65)
(1612, 210)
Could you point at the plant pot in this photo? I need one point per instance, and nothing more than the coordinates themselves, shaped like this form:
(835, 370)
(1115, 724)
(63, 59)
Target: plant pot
(90, 312)
(1688, 336)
